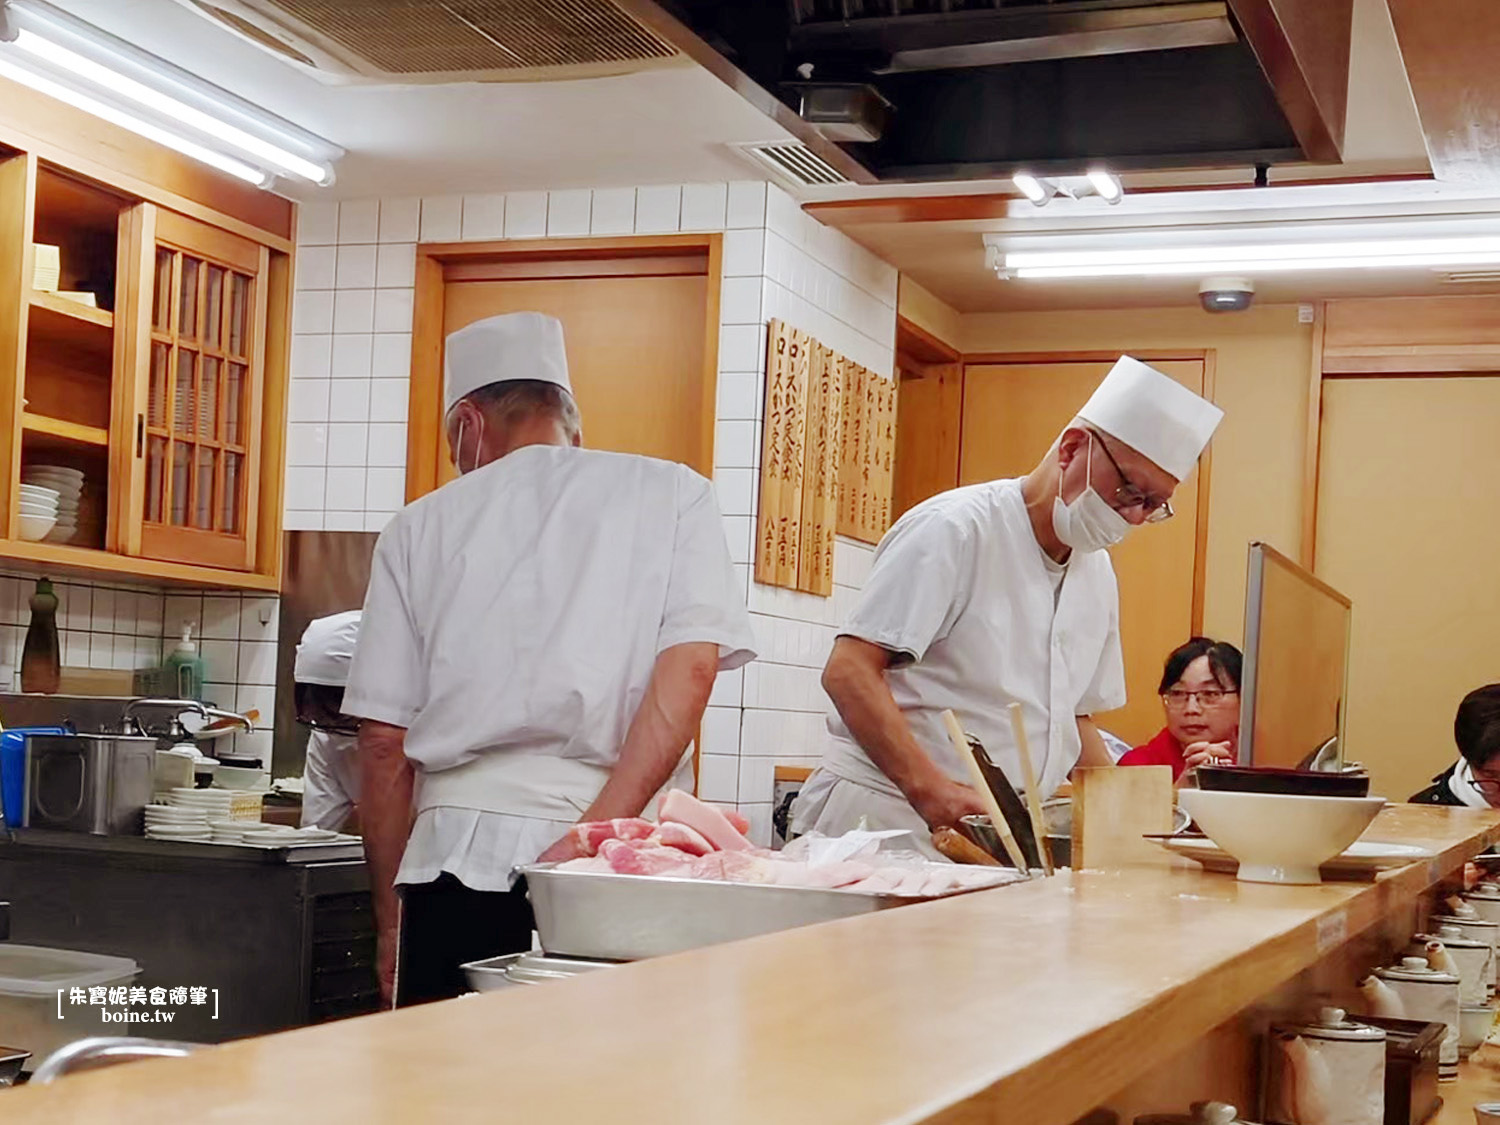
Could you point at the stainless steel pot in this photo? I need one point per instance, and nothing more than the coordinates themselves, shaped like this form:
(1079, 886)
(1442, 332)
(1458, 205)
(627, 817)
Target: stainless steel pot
(96, 783)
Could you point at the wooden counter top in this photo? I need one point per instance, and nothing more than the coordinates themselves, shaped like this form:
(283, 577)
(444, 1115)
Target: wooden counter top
(1030, 1004)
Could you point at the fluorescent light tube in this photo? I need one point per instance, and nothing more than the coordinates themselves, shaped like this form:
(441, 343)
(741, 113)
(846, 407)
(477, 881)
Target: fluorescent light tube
(87, 69)
(135, 124)
(1029, 186)
(1251, 258)
(1107, 185)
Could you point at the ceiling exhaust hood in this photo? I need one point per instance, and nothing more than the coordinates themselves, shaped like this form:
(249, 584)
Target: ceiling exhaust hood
(980, 89)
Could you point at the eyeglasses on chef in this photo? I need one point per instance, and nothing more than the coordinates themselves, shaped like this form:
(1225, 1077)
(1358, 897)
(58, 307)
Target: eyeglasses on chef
(1177, 698)
(1128, 496)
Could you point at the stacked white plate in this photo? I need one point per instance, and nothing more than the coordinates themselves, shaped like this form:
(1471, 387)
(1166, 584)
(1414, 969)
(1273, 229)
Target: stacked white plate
(67, 482)
(231, 831)
(212, 803)
(167, 822)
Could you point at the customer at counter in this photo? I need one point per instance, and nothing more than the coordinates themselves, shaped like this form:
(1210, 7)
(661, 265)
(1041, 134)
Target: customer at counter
(539, 640)
(1200, 693)
(997, 593)
(330, 774)
(1473, 780)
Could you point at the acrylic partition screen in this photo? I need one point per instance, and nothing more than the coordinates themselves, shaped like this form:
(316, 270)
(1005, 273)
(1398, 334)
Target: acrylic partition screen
(1296, 666)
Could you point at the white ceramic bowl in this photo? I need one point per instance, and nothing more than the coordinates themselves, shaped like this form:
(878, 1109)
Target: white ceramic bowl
(65, 471)
(35, 528)
(1276, 837)
(35, 508)
(39, 494)
(235, 777)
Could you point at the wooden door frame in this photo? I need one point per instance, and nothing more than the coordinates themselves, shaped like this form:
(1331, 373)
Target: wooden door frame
(425, 406)
(1206, 356)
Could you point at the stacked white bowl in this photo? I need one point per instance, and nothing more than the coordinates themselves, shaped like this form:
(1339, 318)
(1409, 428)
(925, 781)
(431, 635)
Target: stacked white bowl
(67, 483)
(169, 822)
(38, 511)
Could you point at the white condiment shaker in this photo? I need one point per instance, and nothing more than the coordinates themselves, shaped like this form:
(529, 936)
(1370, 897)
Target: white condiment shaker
(1327, 1072)
(1467, 919)
(1432, 997)
(1471, 958)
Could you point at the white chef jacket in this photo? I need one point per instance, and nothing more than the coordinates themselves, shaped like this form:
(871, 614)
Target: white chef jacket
(961, 591)
(330, 780)
(512, 623)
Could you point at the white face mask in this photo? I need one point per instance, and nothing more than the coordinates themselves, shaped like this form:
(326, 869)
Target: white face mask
(1088, 523)
(458, 454)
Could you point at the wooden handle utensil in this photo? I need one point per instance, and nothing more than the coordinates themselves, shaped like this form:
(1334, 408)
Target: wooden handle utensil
(1028, 774)
(960, 849)
(991, 806)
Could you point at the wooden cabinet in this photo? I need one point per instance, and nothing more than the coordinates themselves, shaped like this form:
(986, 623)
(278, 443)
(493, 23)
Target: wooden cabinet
(147, 366)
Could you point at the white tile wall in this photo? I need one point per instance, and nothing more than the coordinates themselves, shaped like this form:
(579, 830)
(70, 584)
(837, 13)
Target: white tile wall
(352, 360)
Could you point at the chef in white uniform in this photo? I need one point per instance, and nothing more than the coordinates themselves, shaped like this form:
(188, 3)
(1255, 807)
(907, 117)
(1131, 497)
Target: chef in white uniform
(330, 773)
(997, 593)
(539, 640)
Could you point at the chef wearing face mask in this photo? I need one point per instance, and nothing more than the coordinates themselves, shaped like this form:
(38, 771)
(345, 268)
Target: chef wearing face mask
(539, 640)
(997, 593)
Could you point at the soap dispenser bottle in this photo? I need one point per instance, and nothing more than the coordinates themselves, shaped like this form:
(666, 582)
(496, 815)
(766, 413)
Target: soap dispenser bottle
(185, 667)
(41, 656)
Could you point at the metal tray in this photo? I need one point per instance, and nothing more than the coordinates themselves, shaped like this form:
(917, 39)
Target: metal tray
(519, 969)
(610, 917)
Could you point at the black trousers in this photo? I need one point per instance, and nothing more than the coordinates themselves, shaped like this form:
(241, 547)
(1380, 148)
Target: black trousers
(444, 924)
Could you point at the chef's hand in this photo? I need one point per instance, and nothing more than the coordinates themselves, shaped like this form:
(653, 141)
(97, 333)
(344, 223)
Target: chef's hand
(385, 964)
(569, 847)
(947, 803)
(1207, 754)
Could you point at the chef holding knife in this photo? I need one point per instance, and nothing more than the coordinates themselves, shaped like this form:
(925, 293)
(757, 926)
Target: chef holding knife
(997, 593)
(538, 643)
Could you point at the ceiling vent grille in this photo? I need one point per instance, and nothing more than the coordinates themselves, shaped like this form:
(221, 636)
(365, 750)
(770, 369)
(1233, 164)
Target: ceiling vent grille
(431, 40)
(794, 162)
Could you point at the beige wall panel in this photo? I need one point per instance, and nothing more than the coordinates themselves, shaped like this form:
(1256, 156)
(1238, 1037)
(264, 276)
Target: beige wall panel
(1408, 494)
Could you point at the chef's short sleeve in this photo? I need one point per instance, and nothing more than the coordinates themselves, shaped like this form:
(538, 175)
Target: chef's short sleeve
(918, 584)
(387, 677)
(704, 602)
(1106, 690)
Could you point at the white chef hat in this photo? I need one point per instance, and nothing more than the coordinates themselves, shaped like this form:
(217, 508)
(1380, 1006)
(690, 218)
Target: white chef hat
(326, 649)
(503, 349)
(1154, 414)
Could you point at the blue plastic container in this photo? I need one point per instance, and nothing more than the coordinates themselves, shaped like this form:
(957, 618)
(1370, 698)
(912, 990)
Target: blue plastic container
(13, 770)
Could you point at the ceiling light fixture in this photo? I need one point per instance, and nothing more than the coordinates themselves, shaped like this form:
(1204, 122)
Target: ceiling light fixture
(75, 62)
(1041, 190)
(1018, 259)
(1107, 185)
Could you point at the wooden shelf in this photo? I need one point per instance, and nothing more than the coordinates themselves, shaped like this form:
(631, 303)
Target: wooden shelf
(90, 563)
(53, 305)
(66, 431)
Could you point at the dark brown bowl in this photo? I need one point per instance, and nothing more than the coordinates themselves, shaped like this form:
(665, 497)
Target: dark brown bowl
(1271, 779)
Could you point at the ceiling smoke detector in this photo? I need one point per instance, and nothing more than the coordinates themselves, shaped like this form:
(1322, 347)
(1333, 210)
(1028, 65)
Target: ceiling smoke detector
(1226, 294)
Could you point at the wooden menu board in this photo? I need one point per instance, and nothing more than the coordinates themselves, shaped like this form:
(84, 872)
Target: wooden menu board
(826, 458)
(779, 530)
(865, 474)
(820, 485)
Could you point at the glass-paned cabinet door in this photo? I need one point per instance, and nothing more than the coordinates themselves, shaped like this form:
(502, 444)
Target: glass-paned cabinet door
(197, 434)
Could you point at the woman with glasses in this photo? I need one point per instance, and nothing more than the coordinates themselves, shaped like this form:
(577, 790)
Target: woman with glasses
(1200, 692)
(330, 776)
(1473, 780)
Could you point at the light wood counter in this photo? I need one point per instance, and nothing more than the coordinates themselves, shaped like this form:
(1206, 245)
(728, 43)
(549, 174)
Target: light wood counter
(1026, 1004)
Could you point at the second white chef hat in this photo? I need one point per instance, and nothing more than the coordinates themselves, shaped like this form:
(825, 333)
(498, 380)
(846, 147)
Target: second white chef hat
(504, 349)
(1153, 414)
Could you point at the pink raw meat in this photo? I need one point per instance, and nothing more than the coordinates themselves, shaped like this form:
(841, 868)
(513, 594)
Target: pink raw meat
(590, 834)
(824, 875)
(882, 881)
(595, 863)
(673, 835)
(740, 821)
(708, 821)
(632, 857)
(735, 867)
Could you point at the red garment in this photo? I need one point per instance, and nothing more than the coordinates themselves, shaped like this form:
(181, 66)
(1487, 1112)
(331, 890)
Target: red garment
(1163, 750)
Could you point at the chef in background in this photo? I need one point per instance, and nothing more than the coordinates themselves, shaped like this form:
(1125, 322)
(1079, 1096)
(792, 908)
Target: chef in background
(539, 640)
(997, 593)
(330, 775)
